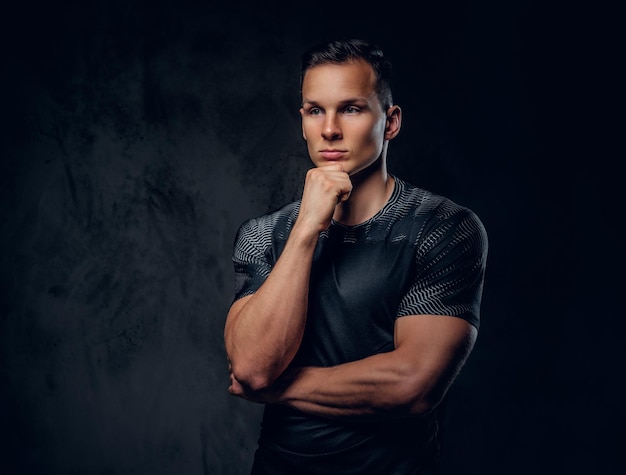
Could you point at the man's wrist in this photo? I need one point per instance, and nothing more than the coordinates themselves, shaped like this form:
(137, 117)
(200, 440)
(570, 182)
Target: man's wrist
(304, 235)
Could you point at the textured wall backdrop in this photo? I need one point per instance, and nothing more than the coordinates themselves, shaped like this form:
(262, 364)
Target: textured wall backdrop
(138, 135)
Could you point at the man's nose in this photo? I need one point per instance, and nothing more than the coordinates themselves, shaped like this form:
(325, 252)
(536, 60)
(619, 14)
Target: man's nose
(331, 129)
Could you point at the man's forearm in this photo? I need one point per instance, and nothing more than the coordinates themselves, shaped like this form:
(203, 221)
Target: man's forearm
(411, 379)
(378, 386)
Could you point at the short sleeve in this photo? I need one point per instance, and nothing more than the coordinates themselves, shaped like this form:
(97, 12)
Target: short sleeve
(250, 258)
(450, 259)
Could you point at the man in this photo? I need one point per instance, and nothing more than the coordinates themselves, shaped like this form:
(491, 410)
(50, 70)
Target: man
(357, 305)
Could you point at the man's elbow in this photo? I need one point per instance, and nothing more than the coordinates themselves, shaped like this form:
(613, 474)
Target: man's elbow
(421, 406)
(247, 371)
(416, 398)
(251, 377)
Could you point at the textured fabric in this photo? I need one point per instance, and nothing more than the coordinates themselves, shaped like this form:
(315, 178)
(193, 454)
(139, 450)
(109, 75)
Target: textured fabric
(420, 254)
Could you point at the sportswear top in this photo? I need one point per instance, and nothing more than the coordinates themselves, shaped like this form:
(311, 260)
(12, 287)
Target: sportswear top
(420, 254)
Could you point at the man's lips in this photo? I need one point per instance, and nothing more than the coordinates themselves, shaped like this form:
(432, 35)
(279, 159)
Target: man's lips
(332, 154)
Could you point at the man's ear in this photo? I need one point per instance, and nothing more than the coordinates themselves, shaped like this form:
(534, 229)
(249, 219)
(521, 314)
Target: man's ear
(394, 122)
(302, 116)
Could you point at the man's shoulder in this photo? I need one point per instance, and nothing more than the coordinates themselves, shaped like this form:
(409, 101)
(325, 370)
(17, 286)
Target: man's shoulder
(424, 201)
(277, 221)
(437, 209)
(284, 212)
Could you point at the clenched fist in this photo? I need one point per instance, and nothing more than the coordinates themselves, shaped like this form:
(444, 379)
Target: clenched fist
(324, 187)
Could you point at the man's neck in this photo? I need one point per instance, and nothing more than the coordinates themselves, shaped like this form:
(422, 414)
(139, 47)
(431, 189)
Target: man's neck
(370, 194)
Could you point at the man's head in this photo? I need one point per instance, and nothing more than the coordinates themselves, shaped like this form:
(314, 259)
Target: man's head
(344, 51)
(347, 114)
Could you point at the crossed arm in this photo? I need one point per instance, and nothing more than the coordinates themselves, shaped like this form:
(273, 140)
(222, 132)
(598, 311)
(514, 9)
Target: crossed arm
(263, 332)
(411, 379)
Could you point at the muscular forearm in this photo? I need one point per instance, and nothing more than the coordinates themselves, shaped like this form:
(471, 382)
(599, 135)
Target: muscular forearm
(263, 334)
(381, 386)
(411, 379)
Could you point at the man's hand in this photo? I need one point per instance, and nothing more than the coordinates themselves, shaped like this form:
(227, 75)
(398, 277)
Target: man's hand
(324, 187)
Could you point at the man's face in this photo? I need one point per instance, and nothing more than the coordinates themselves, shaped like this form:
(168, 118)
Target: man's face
(342, 118)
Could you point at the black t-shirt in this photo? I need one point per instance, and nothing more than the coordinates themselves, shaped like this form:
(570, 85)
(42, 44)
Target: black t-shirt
(420, 254)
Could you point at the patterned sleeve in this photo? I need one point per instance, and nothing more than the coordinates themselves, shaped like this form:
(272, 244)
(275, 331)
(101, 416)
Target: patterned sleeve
(451, 257)
(250, 258)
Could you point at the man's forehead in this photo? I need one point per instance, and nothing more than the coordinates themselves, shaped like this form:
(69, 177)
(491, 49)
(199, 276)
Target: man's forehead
(355, 78)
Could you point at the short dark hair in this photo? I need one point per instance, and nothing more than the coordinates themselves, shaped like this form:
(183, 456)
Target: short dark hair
(344, 51)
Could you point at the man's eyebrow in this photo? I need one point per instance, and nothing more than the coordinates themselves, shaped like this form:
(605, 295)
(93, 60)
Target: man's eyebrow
(351, 100)
(308, 101)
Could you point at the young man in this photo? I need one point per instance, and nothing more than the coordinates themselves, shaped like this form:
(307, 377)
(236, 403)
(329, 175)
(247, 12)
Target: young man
(357, 305)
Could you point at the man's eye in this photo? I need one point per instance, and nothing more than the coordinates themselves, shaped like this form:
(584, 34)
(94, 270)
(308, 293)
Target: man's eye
(351, 110)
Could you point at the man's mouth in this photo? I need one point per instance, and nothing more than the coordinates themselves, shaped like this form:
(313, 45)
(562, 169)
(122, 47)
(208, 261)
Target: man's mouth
(330, 154)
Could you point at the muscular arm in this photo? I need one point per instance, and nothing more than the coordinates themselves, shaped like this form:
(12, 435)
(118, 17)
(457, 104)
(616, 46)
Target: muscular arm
(411, 379)
(263, 331)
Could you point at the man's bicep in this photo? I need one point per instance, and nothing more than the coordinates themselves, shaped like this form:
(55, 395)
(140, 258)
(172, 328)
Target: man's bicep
(236, 307)
(232, 315)
(436, 347)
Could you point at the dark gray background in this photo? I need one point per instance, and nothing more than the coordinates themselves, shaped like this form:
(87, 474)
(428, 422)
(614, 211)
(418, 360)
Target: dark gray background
(138, 135)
